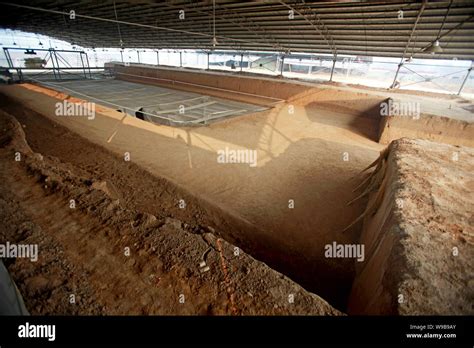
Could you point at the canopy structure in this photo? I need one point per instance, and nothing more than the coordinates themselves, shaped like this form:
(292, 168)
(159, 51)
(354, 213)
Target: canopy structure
(364, 28)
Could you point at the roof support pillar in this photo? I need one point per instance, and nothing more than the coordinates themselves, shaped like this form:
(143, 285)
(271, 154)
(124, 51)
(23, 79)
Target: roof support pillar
(282, 64)
(88, 65)
(11, 65)
(83, 66)
(208, 53)
(241, 61)
(53, 62)
(53, 52)
(413, 30)
(394, 83)
(157, 57)
(333, 66)
(465, 79)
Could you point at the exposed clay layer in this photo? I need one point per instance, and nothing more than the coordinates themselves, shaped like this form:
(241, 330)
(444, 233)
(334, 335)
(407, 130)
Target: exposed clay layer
(429, 127)
(418, 233)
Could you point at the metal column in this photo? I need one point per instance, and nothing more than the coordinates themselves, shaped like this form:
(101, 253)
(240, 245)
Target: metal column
(282, 64)
(88, 65)
(10, 63)
(57, 63)
(334, 60)
(157, 57)
(138, 53)
(465, 79)
(241, 61)
(396, 75)
(52, 62)
(208, 53)
(180, 59)
(83, 66)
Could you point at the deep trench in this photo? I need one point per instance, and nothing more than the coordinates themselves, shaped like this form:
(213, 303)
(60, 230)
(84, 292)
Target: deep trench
(332, 286)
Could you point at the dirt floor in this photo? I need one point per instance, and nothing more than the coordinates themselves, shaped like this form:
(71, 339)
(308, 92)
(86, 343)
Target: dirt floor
(310, 156)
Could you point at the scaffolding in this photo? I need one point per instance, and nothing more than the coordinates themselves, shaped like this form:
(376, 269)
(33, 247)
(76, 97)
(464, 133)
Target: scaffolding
(59, 64)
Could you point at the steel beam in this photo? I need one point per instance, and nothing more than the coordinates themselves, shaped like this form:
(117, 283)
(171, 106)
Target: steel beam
(329, 40)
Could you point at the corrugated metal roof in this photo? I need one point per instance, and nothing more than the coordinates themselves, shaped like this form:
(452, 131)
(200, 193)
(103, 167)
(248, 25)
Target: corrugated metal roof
(373, 28)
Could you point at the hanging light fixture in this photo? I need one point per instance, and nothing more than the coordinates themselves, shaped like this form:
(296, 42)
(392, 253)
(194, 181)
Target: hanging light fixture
(433, 48)
(214, 39)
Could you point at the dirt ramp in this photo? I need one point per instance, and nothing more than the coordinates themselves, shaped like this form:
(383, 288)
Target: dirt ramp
(418, 232)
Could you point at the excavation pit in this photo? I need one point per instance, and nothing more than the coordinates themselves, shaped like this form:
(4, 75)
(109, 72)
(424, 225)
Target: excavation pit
(284, 211)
